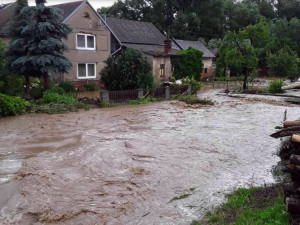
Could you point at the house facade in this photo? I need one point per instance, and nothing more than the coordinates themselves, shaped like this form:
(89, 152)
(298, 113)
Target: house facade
(94, 39)
(146, 38)
(208, 56)
(6, 12)
(89, 43)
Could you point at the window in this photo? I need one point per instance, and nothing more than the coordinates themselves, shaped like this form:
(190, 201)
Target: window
(205, 70)
(86, 42)
(162, 70)
(86, 70)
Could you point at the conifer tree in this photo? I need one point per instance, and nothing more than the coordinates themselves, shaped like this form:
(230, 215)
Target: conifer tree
(16, 49)
(42, 39)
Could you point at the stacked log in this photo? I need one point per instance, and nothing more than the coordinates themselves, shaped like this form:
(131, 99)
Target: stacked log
(291, 151)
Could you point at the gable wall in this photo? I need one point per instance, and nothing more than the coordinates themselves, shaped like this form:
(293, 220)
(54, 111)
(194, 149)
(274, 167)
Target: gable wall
(103, 45)
(157, 61)
(6, 14)
(208, 63)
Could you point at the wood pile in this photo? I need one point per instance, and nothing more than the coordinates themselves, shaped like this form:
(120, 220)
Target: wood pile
(291, 152)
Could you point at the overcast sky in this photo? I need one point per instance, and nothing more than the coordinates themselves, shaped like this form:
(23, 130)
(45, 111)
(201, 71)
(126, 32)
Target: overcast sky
(95, 3)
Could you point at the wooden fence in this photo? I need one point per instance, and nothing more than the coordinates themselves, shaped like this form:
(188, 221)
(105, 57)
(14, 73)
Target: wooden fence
(123, 96)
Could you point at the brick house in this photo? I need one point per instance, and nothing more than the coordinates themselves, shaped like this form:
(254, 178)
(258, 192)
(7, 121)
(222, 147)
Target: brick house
(208, 56)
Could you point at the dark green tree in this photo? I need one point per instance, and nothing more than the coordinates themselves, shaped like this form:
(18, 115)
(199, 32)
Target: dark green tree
(287, 30)
(2, 57)
(188, 63)
(241, 14)
(182, 19)
(284, 63)
(130, 70)
(244, 50)
(42, 41)
(17, 48)
(288, 9)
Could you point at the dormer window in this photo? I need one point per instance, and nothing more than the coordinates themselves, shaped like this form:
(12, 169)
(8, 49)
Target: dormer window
(86, 42)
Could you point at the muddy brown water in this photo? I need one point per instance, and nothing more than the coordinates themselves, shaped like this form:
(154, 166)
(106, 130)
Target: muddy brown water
(124, 165)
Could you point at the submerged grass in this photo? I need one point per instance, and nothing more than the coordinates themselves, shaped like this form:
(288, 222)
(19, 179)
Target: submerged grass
(144, 101)
(254, 206)
(180, 197)
(193, 99)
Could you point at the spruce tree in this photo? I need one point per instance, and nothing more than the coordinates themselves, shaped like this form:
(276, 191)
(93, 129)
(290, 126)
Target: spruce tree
(42, 39)
(16, 48)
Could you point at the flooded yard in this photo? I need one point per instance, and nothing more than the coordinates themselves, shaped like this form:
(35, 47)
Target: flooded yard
(124, 165)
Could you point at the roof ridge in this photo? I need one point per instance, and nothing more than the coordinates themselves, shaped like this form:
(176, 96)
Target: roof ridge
(137, 21)
(67, 3)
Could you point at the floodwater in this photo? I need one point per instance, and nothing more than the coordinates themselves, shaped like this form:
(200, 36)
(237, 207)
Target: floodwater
(124, 165)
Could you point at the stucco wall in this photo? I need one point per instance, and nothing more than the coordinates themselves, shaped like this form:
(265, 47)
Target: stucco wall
(93, 26)
(208, 63)
(157, 61)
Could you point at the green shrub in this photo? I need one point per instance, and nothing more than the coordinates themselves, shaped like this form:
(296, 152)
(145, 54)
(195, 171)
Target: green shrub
(105, 105)
(54, 97)
(36, 92)
(67, 86)
(143, 101)
(131, 70)
(196, 85)
(57, 108)
(57, 90)
(275, 86)
(188, 63)
(192, 100)
(10, 105)
(91, 87)
(12, 85)
(172, 79)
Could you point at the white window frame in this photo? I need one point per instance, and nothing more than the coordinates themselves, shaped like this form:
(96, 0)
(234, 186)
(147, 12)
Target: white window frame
(86, 43)
(86, 71)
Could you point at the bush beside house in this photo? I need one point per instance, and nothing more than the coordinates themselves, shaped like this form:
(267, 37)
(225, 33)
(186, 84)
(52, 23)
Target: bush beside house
(129, 71)
(188, 63)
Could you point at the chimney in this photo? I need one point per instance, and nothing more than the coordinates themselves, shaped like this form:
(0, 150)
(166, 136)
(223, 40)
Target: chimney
(168, 46)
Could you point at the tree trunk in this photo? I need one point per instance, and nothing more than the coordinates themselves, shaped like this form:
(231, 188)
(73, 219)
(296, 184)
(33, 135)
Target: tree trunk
(27, 85)
(245, 85)
(286, 132)
(296, 138)
(288, 124)
(46, 81)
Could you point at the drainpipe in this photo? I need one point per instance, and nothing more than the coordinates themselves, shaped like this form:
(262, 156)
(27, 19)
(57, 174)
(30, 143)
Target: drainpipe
(115, 52)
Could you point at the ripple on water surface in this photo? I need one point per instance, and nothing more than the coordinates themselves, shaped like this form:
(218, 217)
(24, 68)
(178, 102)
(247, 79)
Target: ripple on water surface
(124, 165)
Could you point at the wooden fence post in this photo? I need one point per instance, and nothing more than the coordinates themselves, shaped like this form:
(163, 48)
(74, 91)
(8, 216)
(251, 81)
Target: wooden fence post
(104, 96)
(167, 92)
(189, 89)
(140, 93)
